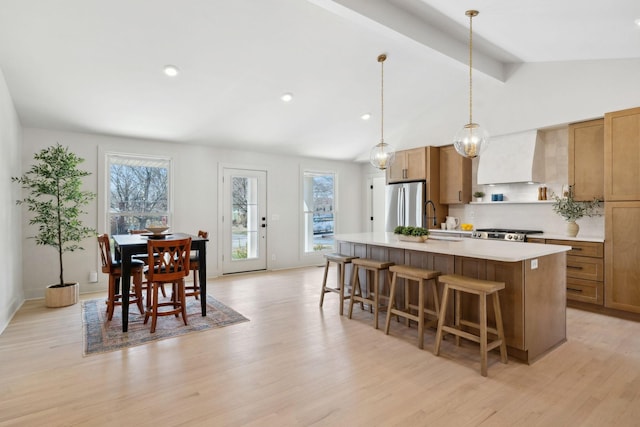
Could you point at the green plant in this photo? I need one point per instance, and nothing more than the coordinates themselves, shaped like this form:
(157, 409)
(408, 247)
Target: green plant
(478, 194)
(571, 210)
(411, 231)
(57, 201)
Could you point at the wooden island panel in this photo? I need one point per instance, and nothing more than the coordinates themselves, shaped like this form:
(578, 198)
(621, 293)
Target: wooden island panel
(533, 302)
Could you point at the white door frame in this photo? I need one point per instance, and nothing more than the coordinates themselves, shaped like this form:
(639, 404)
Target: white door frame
(224, 220)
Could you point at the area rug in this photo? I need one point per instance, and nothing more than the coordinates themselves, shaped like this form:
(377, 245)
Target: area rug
(101, 336)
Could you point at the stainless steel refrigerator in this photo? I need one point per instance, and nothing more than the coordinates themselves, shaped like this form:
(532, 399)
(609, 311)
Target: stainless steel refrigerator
(405, 205)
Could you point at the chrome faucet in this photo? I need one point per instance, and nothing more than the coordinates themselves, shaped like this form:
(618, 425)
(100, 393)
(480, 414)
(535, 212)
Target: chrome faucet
(435, 217)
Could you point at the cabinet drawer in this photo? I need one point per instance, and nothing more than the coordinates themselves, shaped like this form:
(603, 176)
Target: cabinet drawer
(580, 267)
(591, 249)
(585, 291)
(535, 240)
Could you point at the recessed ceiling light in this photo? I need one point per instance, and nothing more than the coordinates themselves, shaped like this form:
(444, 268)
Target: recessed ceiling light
(287, 97)
(171, 70)
(365, 116)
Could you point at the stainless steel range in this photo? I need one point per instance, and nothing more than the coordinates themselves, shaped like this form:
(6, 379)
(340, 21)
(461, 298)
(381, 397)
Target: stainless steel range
(509, 234)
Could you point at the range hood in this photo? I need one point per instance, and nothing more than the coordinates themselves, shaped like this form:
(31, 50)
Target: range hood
(517, 157)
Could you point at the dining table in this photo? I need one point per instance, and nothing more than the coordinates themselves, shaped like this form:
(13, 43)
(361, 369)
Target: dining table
(127, 245)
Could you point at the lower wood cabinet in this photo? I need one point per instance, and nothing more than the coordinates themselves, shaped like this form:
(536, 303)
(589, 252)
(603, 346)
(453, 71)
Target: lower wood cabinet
(585, 270)
(622, 260)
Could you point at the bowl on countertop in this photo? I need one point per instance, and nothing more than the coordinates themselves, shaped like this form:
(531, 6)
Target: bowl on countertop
(156, 230)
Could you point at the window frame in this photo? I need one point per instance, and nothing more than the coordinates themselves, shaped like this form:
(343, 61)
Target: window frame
(108, 157)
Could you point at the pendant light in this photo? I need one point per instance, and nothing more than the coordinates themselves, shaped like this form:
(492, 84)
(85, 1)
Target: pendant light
(471, 140)
(382, 154)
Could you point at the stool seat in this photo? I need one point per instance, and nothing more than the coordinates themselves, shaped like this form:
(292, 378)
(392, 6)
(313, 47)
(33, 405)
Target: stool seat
(373, 264)
(339, 257)
(341, 261)
(373, 298)
(482, 288)
(471, 285)
(414, 271)
(421, 277)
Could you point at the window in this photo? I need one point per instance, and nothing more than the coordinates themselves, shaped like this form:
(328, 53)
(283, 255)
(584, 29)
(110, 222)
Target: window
(319, 211)
(138, 192)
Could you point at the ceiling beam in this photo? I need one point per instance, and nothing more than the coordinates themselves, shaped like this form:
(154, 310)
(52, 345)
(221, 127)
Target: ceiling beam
(381, 15)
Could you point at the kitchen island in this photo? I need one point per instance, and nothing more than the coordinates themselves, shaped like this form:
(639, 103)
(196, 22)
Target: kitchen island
(534, 299)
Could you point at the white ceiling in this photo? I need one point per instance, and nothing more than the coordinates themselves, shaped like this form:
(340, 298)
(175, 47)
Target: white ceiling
(96, 65)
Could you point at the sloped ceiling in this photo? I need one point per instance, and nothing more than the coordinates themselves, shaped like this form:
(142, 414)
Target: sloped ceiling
(96, 66)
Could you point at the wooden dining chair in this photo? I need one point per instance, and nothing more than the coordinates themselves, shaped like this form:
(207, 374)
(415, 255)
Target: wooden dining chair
(194, 265)
(114, 269)
(170, 266)
(145, 258)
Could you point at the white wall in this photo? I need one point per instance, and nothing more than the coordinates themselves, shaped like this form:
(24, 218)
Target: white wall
(11, 293)
(195, 186)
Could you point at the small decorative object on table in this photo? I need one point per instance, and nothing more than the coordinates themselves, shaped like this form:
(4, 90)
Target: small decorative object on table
(571, 210)
(157, 232)
(411, 234)
(478, 195)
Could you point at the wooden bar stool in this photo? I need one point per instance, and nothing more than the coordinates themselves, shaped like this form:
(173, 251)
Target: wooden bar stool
(421, 277)
(373, 296)
(482, 288)
(341, 262)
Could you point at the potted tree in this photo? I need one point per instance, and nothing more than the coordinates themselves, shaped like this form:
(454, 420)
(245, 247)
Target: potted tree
(56, 200)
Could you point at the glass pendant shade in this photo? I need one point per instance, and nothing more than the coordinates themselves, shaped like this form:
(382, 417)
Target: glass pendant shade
(382, 155)
(471, 140)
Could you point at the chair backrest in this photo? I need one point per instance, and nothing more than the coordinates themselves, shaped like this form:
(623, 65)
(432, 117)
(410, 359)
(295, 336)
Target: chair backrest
(105, 253)
(172, 260)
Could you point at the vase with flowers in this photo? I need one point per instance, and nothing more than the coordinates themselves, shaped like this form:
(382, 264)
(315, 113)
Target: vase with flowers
(571, 210)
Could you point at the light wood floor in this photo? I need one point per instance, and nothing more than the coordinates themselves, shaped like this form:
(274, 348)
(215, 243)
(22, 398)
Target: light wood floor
(294, 364)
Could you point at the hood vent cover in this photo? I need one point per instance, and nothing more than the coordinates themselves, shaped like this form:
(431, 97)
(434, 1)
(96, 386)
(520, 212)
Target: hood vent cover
(517, 157)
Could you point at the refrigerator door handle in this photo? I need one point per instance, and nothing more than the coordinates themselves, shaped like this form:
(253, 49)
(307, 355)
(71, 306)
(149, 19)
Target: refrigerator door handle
(398, 209)
(402, 206)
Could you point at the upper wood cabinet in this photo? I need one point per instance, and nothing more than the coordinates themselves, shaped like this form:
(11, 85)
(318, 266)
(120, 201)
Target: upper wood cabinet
(419, 164)
(455, 177)
(586, 164)
(622, 155)
(409, 165)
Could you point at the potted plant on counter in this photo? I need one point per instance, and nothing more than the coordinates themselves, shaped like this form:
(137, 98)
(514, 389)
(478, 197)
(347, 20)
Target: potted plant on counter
(478, 195)
(572, 210)
(411, 234)
(56, 200)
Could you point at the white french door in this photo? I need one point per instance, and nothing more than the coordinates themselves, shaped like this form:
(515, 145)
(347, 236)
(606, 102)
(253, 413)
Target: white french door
(244, 220)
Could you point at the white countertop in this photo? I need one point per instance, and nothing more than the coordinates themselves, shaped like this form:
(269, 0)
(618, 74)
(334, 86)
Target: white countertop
(496, 250)
(579, 238)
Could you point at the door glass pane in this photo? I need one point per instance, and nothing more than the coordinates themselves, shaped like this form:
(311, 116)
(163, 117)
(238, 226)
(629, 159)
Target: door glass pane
(244, 214)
